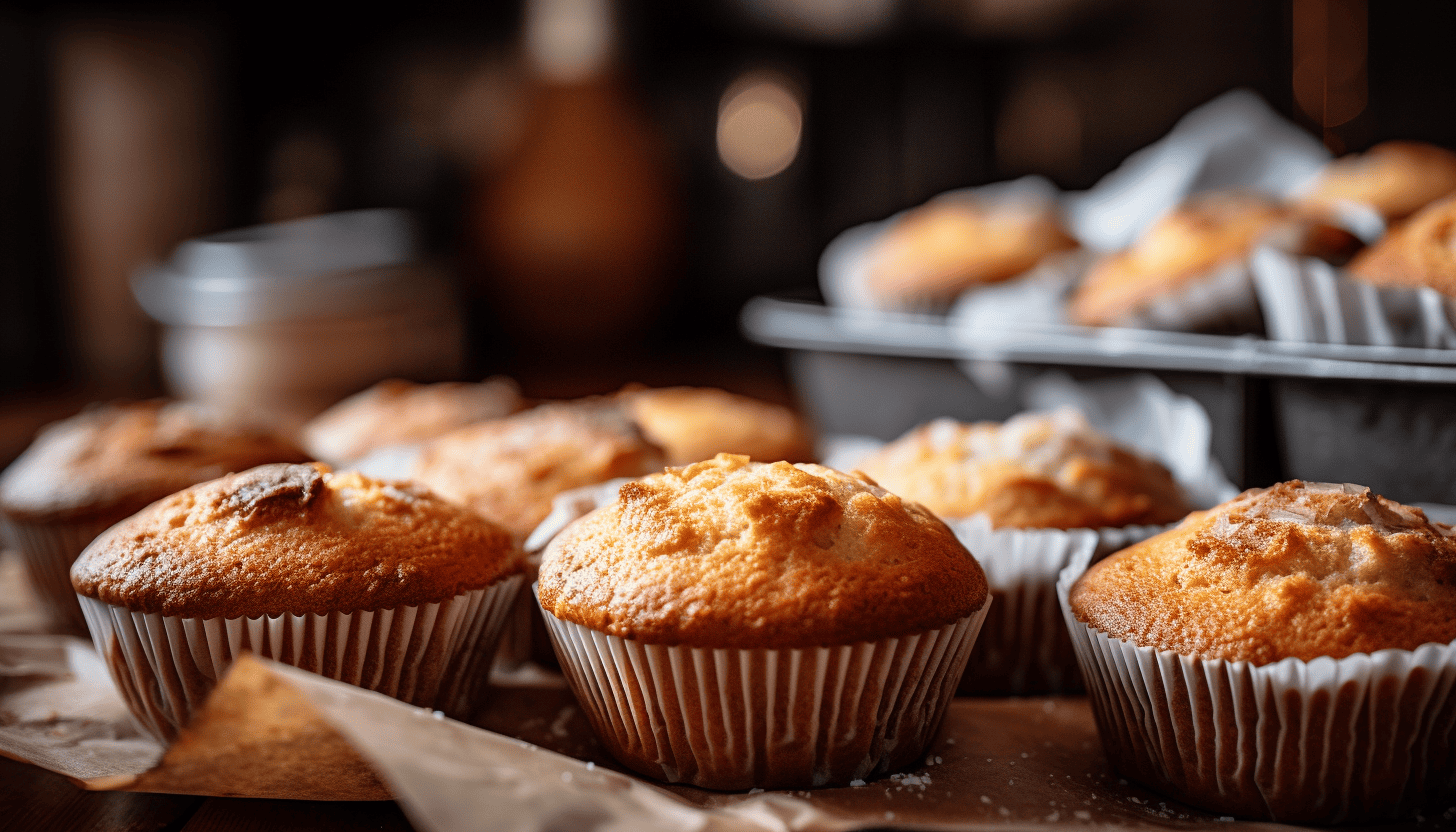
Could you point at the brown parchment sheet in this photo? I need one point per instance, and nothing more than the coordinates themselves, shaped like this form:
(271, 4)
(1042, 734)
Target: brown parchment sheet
(532, 761)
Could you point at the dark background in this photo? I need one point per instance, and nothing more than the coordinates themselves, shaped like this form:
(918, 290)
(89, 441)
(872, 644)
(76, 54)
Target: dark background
(928, 101)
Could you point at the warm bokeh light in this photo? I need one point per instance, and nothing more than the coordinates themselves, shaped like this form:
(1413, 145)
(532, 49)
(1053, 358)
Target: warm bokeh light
(760, 124)
(831, 20)
(568, 40)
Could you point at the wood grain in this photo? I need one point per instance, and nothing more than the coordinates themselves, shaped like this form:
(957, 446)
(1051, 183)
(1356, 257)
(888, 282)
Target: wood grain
(32, 798)
(229, 814)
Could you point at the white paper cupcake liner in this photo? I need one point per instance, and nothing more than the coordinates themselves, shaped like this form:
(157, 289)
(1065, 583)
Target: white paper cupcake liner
(523, 637)
(731, 719)
(433, 655)
(1359, 739)
(1024, 647)
(1305, 299)
(48, 550)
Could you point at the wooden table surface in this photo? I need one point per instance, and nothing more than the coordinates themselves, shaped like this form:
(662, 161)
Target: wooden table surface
(35, 800)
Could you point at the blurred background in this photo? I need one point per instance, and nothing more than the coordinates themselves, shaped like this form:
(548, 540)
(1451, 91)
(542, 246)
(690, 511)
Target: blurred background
(587, 190)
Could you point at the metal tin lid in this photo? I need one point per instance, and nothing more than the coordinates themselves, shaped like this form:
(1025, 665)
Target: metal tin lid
(349, 263)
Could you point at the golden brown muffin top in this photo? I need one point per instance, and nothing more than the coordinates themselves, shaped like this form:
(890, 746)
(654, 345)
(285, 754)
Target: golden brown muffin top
(111, 460)
(696, 423)
(1037, 470)
(509, 469)
(733, 553)
(1298, 570)
(932, 253)
(1189, 242)
(1421, 252)
(1396, 178)
(398, 412)
(293, 539)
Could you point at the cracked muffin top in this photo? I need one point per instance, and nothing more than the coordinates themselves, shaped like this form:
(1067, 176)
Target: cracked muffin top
(733, 553)
(1297, 570)
(293, 539)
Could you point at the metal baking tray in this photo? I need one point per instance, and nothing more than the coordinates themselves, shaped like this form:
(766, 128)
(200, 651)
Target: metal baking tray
(1379, 416)
(804, 325)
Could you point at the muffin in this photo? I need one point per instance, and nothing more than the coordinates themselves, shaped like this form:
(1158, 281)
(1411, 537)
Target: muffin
(509, 469)
(1421, 253)
(1026, 496)
(1398, 292)
(688, 616)
(692, 424)
(930, 254)
(381, 585)
(399, 412)
(1396, 178)
(1188, 270)
(85, 473)
(1287, 655)
(1037, 470)
(1401, 291)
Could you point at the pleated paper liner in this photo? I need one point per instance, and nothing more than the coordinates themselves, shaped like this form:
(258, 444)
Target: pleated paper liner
(433, 655)
(1024, 647)
(1308, 300)
(733, 719)
(1361, 739)
(48, 550)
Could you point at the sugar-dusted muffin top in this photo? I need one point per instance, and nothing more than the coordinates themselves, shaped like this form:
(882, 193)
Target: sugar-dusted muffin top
(1298, 570)
(397, 412)
(733, 553)
(1036, 470)
(1421, 252)
(293, 539)
(510, 469)
(936, 251)
(1396, 178)
(111, 460)
(692, 424)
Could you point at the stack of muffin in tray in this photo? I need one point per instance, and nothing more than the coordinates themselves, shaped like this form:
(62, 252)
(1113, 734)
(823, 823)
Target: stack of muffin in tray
(734, 617)
(1366, 241)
